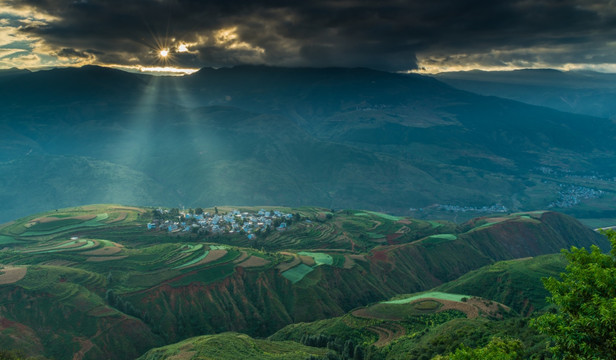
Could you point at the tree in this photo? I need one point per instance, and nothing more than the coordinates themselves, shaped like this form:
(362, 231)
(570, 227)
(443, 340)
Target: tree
(584, 325)
(198, 211)
(496, 349)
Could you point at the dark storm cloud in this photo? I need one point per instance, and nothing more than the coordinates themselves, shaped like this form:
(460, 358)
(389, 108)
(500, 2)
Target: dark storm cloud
(387, 34)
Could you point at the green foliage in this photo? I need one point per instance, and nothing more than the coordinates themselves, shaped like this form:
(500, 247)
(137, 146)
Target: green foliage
(584, 326)
(14, 355)
(497, 349)
(297, 273)
(235, 346)
(515, 283)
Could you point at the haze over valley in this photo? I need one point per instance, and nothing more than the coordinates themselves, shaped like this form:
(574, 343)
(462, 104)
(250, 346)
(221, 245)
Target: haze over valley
(337, 138)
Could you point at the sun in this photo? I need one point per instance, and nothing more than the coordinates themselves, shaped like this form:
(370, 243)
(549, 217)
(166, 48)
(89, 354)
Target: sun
(164, 53)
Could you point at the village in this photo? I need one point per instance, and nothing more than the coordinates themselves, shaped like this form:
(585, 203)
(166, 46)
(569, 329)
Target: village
(234, 221)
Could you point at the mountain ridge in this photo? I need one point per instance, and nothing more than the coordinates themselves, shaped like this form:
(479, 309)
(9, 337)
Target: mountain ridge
(339, 138)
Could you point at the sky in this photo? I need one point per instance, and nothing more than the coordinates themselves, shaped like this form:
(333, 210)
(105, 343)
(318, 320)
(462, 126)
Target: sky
(393, 35)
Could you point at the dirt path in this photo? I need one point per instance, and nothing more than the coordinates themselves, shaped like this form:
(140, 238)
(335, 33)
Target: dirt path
(376, 225)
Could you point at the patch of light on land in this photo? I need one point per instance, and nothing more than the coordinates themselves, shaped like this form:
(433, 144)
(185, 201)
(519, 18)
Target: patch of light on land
(168, 69)
(443, 68)
(156, 70)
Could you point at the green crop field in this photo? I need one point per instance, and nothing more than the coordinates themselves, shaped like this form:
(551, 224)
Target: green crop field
(444, 236)
(54, 225)
(194, 261)
(83, 245)
(5, 240)
(437, 239)
(90, 223)
(432, 294)
(297, 273)
(191, 248)
(385, 216)
(319, 258)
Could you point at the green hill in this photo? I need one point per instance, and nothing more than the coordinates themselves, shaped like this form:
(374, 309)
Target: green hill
(515, 283)
(494, 300)
(96, 280)
(235, 346)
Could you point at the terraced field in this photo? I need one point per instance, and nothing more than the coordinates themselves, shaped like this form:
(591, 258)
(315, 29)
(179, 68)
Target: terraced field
(107, 269)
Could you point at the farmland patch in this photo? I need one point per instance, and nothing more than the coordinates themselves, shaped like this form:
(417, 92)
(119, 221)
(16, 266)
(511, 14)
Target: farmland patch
(308, 260)
(40, 229)
(5, 240)
(254, 261)
(297, 273)
(288, 265)
(105, 258)
(121, 217)
(194, 261)
(71, 245)
(432, 294)
(107, 250)
(12, 274)
(385, 216)
(243, 256)
(213, 256)
(437, 239)
(319, 258)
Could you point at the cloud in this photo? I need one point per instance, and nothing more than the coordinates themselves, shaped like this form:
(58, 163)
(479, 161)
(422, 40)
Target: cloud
(24, 61)
(385, 34)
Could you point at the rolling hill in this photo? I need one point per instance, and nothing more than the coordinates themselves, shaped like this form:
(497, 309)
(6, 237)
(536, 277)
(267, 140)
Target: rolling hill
(337, 138)
(495, 300)
(97, 283)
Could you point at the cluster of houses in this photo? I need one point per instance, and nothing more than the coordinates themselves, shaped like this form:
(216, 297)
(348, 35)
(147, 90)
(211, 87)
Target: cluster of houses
(229, 223)
(496, 208)
(571, 195)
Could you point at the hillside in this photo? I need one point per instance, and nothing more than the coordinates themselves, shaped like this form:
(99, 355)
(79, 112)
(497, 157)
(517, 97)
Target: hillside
(235, 346)
(337, 138)
(115, 284)
(515, 283)
(495, 300)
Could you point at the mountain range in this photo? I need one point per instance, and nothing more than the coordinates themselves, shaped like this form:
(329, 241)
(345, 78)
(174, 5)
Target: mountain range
(255, 135)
